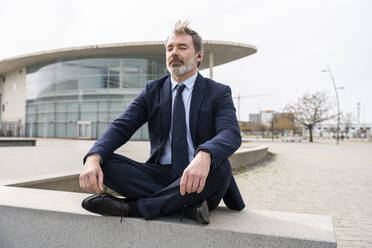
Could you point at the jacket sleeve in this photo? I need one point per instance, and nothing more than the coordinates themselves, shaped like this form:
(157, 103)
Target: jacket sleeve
(227, 139)
(122, 128)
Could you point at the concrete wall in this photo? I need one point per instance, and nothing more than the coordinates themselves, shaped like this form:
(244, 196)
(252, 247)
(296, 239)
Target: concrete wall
(14, 96)
(70, 182)
(44, 218)
(245, 157)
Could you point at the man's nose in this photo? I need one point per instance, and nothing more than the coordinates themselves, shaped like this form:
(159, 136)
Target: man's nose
(173, 52)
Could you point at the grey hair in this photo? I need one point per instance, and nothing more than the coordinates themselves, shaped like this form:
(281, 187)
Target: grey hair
(182, 27)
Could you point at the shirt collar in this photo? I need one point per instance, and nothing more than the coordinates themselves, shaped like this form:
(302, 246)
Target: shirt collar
(189, 83)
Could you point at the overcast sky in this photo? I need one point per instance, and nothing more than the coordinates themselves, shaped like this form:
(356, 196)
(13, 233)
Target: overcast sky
(296, 39)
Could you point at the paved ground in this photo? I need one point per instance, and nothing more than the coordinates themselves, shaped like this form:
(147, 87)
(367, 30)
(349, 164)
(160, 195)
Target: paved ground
(319, 178)
(53, 156)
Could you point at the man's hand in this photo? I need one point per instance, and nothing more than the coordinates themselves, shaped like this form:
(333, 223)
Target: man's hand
(91, 178)
(195, 175)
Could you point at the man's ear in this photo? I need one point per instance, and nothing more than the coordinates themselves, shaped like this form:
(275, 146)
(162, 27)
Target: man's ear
(199, 56)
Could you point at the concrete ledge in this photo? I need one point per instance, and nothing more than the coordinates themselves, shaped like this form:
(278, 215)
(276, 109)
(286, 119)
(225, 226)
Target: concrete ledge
(17, 142)
(66, 181)
(244, 157)
(69, 180)
(44, 218)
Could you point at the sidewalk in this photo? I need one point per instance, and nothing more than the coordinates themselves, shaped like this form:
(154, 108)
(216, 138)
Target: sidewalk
(53, 156)
(319, 178)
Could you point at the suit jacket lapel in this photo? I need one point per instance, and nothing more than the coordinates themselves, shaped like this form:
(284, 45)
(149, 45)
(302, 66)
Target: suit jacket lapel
(166, 107)
(198, 94)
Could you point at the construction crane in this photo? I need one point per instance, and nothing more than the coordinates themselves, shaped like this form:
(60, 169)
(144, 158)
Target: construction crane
(247, 96)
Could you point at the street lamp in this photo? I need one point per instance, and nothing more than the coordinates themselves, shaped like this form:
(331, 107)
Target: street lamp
(338, 102)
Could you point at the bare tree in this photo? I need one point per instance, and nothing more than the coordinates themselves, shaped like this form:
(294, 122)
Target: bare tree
(261, 128)
(310, 109)
(273, 124)
(285, 123)
(245, 127)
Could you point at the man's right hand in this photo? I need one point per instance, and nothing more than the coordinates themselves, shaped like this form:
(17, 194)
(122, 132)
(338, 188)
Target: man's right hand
(91, 178)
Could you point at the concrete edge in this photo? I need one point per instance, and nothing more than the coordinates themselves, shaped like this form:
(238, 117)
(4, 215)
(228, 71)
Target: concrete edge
(261, 222)
(248, 156)
(55, 229)
(28, 181)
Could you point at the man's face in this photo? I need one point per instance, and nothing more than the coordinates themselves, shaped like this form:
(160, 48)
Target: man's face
(180, 54)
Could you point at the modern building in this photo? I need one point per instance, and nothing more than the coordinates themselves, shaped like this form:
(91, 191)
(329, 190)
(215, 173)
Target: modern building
(77, 92)
(255, 118)
(265, 117)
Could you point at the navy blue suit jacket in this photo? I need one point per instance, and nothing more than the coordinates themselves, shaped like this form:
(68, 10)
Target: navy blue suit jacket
(213, 125)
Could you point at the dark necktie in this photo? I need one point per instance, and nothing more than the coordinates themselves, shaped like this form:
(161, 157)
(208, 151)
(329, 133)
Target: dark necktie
(180, 155)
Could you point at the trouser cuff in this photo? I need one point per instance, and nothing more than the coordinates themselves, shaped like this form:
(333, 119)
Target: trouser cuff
(141, 203)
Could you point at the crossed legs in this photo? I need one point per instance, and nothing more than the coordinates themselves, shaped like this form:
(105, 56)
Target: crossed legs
(155, 188)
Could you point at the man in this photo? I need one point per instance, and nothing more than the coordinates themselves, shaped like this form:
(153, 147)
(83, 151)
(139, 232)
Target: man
(193, 130)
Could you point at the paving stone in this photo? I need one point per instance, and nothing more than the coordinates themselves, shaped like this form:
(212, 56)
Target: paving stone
(320, 178)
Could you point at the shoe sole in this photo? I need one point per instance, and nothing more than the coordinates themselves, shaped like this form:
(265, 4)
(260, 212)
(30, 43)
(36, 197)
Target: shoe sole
(203, 213)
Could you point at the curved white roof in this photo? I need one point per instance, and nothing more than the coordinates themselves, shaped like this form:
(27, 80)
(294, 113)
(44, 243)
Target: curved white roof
(224, 52)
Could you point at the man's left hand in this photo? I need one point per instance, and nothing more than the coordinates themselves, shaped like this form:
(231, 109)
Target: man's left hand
(195, 175)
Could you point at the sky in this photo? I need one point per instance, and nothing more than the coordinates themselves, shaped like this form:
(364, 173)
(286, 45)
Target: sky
(296, 40)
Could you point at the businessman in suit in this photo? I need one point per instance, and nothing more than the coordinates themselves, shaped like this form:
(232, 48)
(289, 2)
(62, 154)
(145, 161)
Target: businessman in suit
(193, 130)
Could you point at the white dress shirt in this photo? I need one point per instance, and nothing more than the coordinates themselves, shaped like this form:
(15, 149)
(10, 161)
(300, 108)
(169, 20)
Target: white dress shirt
(166, 157)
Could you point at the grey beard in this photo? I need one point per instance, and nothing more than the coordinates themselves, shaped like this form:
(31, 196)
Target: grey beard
(181, 70)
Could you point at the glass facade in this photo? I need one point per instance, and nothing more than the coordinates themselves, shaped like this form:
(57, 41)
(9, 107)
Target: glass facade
(80, 98)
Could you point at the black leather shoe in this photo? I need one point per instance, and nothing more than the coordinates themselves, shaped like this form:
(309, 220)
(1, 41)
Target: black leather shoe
(106, 204)
(198, 212)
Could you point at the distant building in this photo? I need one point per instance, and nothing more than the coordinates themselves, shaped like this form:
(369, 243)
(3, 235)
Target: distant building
(77, 92)
(321, 130)
(329, 130)
(265, 117)
(255, 118)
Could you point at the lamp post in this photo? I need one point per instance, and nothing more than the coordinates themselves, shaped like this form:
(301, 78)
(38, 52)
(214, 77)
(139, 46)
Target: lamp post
(338, 102)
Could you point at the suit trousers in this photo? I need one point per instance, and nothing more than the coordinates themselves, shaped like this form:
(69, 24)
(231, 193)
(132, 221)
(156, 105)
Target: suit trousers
(157, 190)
